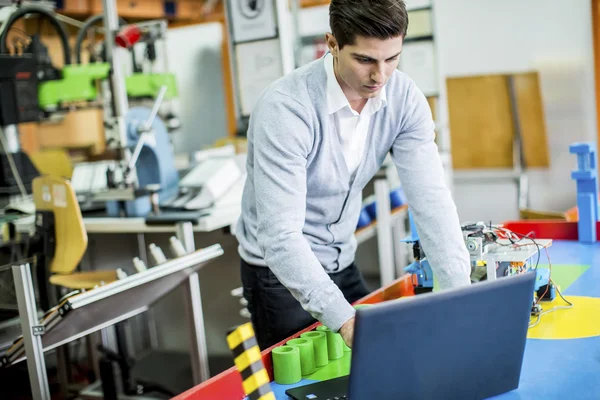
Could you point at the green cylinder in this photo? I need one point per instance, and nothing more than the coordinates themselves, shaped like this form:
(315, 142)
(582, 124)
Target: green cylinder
(319, 340)
(307, 354)
(286, 365)
(335, 343)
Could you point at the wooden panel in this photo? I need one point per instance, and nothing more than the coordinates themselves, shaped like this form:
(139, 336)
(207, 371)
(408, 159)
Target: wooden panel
(16, 38)
(228, 83)
(50, 38)
(481, 121)
(481, 129)
(75, 7)
(432, 101)
(532, 124)
(136, 9)
(192, 11)
(189, 9)
(83, 129)
(545, 215)
(313, 3)
(28, 137)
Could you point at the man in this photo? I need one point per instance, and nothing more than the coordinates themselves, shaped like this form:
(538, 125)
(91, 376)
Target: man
(315, 139)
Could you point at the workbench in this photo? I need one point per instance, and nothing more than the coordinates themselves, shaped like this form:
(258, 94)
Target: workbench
(562, 354)
(212, 219)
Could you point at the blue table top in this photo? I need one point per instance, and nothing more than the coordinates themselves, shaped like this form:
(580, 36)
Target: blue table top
(562, 354)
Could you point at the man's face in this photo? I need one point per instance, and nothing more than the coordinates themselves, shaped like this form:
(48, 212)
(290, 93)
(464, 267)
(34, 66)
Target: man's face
(363, 68)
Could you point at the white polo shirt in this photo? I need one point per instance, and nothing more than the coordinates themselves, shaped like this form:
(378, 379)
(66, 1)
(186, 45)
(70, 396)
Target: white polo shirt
(352, 127)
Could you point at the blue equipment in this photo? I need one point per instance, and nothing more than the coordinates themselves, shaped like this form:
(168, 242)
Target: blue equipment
(155, 165)
(368, 213)
(420, 267)
(587, 190)
(476, 244)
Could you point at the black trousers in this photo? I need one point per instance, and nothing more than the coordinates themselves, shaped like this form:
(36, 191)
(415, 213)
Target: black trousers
(276, 314)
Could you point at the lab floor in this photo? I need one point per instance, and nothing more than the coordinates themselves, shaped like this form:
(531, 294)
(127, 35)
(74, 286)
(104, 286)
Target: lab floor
(562, 355)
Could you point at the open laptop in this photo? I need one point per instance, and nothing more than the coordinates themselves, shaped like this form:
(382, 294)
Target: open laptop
(465, 343)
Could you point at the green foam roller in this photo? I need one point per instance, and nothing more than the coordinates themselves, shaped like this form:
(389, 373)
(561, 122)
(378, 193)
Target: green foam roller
(319, 340)
(335, 343)
(286, 365)
(307, 354)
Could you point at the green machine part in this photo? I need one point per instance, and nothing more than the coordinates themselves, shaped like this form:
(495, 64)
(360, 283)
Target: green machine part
(78, 84)
(148, 85)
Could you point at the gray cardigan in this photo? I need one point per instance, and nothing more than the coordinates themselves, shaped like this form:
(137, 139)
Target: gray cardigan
(300, 206)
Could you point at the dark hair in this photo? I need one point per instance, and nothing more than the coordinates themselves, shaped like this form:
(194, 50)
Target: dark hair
(382, 19)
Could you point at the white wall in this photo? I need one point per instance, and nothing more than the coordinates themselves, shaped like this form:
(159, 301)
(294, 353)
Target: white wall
(551, 36)
(196, 60)
(473, 37)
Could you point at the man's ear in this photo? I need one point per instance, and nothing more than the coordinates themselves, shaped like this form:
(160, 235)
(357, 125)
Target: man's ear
(331, 44)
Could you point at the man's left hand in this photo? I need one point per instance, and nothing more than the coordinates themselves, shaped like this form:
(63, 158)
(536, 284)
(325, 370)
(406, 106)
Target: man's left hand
(347, 331)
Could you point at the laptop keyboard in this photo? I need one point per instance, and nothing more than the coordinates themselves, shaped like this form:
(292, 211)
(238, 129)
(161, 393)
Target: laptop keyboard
(333, 389)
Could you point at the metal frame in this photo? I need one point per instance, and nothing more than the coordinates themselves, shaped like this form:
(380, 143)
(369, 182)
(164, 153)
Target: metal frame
(401, 251)
(32, 344)
(151, 274)
(119, 91)
(193, 304)
(185, 233)
(391, 228)
(36, 365)
(114, 288)
(522, 180)
(198, 350)
(283, 11)
(385, 244)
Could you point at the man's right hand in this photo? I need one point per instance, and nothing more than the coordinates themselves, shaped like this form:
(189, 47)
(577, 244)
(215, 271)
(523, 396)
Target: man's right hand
(347, 331)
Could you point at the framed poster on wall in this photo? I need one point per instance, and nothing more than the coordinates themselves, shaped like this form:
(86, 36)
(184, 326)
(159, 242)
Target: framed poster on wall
(258, 65)
(416, 4)
(252, 20)
(418, 62)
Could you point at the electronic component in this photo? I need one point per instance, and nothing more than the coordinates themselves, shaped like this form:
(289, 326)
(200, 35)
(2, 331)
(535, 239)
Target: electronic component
(18, 90)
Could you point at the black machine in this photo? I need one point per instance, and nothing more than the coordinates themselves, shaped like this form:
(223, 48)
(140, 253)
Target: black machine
(18, 90)
(18, 104)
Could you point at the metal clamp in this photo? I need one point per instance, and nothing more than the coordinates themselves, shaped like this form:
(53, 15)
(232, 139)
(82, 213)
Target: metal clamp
(145, 130)
(38, 330)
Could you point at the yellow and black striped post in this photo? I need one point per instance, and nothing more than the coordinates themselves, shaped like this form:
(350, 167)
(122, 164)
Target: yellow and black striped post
(247, 359)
